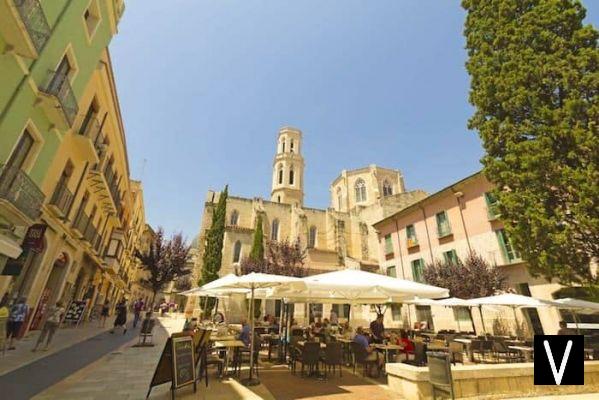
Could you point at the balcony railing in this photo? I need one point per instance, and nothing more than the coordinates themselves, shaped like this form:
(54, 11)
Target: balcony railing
(92, 131)
(493, 211)
(60, 87)
(62, 198)
(35, 22)
(18, 189)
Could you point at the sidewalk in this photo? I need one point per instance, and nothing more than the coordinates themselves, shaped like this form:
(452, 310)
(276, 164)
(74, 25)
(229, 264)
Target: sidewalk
(64, 337)
(126, 374)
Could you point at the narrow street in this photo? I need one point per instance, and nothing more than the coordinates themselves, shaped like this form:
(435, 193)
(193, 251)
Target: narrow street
(33, 378)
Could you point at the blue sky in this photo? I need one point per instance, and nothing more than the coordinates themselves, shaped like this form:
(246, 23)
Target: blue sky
(204, 87)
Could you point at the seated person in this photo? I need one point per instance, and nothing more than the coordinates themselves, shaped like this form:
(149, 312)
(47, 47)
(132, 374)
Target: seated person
(564, 330)
(373, 355)
(246, 335)
(408, 346)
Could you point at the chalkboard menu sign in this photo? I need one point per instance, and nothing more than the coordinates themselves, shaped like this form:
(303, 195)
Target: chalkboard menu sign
(75, 312)
(183, 361)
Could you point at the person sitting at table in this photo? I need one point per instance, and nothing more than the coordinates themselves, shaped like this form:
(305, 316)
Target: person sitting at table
(333, 317)
(373, 355)
(408, 346)
(377, 329)
(246, 335)
(564, 330)
(346, 330)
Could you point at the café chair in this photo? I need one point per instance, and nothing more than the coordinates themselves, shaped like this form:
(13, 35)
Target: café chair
(333, 357)
(361, 357)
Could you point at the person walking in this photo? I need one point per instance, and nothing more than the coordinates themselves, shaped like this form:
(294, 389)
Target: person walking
(3, 321)
(104, 313)
(121, 317)
(16, 317)
(138, 307)
(55, 314)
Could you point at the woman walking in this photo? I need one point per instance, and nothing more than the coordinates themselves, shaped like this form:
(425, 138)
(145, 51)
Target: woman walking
(55, 314)
(121, 317)
(104, 313)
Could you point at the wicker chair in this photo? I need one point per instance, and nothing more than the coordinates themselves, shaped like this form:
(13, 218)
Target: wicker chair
(333, 357)
(361, 357)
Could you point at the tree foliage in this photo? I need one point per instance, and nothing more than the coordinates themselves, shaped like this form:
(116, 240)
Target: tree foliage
(534, 81)
(257, 252)
(213, 251)
(282, 258)
(467, 279)
(165, 260)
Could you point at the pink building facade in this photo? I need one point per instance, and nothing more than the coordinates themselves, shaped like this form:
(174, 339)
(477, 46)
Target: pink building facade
(447, 225)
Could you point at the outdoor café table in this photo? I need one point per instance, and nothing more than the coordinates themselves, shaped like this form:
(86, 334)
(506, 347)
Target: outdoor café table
(230, 346)
(215, 338)
(302, 342)
(271, 339)
(468, 344)
(346, 348)
(386, 348)
(525, 350)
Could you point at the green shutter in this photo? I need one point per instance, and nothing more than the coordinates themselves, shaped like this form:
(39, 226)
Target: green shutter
(417, 270)
(443, 226)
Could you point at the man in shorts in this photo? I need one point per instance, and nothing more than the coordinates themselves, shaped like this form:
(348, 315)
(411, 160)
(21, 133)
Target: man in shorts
(373, 355)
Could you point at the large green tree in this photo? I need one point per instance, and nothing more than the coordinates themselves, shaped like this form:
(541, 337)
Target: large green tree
(213, 251)
(534, 83)
(257, 252)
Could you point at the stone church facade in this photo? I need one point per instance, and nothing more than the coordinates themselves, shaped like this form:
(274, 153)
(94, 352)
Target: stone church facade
(338, 237)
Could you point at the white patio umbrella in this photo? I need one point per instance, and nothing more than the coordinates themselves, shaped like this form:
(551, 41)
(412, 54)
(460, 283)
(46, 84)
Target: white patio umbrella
(254, 281)
(359, 287)
(511, 300)
(456, 302)
(580, 306)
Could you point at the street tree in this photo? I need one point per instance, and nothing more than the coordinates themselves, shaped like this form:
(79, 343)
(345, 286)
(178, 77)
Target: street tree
(473, 277)
(534, 83)
(165, 260)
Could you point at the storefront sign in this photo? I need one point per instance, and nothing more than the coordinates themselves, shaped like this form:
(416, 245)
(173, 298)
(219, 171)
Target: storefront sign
(34, 239)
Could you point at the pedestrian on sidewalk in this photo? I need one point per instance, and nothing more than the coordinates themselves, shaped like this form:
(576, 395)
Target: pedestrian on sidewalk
(138, 307)
(104, 313)
(16, 317)
(121, 317)
(3, 321)
(55, 314)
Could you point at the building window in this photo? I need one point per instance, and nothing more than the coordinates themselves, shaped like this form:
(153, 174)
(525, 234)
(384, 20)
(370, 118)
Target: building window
(450, 257)
(283, 145)
(274, 232)
(510, 255)
(291, 176)
(312, 237)
(291, 146)
(234, 218)
(237, 252)
(412, 240)
(360, 189)
(280, 172)
(396, 311)
(278, 199)
(388, 245)
(387, 189)
(91, 17)
(19, 156)
(391, 271)
(418, 270)
(443, 226)
(424, 315)
(462, 316)
(492, 206)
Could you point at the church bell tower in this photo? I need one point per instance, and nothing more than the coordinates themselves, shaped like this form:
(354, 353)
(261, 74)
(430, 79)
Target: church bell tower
(288, 168)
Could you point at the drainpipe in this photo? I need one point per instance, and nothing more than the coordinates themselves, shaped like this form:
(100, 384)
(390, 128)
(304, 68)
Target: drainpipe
(428, 237)
(403, 273)
(458, 196)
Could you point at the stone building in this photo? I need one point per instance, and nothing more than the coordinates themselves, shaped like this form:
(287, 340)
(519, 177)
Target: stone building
(337, 237)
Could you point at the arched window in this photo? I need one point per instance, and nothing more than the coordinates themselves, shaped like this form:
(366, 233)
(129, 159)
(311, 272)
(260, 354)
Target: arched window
(291, 176)
(387, 188)
(283, 145)
(237, 252)
(312, 237)
(360, 188)
(234, 218)
(280, 174)
(274, 231)
(291, 146)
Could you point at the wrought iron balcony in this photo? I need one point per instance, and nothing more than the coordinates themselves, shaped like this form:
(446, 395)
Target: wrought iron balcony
(35, 21)
(62, 199)
(24, 27)
(59, 87)
(18, 189)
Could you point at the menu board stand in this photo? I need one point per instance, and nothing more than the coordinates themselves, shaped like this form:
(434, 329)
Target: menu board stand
(75, 312)
(178, 362)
